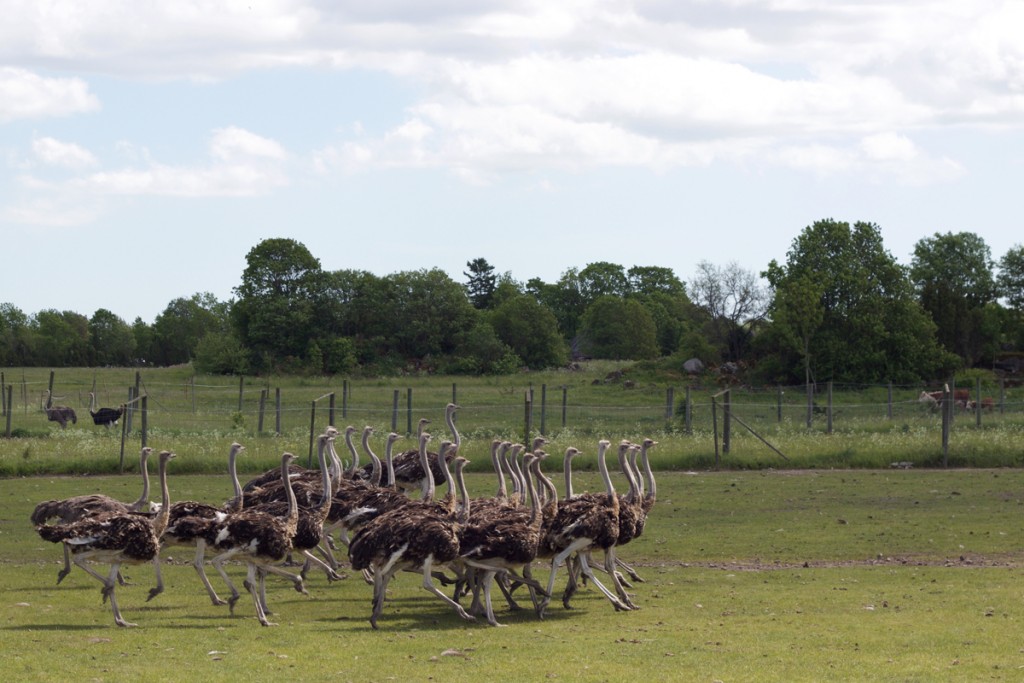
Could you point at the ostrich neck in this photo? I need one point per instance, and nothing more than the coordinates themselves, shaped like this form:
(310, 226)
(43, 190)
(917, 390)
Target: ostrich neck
(449, 417)
(336, 468)
(293, 505)
(635, 471)
(463, 493)
(652, 489)
(628, 473)
(531, 489)
(375, 472)
(603, 467)
(451, 498)
(325, 478)
(353, 451)
(496, 462)
(428, 476)
(567, 468)
(236, 485)
(390, 462)
(144, 468)
(164, 516)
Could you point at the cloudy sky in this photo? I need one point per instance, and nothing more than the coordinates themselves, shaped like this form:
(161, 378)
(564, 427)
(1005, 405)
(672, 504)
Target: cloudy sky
(148, 146)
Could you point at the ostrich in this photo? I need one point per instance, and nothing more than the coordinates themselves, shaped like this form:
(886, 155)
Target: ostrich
(104, 416)
(272, 477)
(260, 538)
(116, 538)
(582, 523)
(76, 508)
(183, 532)
(59, 414)
(414, 537)
(500, 541)
(630, 526)
(408, 470)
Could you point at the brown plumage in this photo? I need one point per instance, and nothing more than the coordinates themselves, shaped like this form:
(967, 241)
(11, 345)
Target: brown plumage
(184, 530)
(259, 538)
(116, 538)
(73, 509)
(59, 414)
(501, 540)
(581, 523)
(414, 537)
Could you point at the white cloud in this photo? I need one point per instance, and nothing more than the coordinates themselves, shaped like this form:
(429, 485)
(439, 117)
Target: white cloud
(234, 143)
(26, 95)
(65, 154)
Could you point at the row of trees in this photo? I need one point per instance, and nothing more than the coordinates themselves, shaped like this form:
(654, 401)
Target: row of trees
(839, 308)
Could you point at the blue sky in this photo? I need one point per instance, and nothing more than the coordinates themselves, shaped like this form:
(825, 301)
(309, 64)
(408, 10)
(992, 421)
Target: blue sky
(147, 147)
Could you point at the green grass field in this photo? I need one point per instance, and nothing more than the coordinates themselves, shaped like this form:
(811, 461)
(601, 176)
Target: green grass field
(751, 576)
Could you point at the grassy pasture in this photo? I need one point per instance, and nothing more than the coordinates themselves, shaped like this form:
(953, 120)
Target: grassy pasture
(751, 575)
(199, 417)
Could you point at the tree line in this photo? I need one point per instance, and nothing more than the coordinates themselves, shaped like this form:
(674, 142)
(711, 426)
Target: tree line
(839, 308)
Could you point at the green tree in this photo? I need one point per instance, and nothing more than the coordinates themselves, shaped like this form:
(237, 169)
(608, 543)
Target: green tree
(178, 330)
(531, 331)
(952, 274)
(430, 311)
(63, 338)
(275, 314)
(654, 280)
(111, 339)
(16, 337)
(481, 352)
(564, 299)
(481, 283)
(220, 353)
(872, 328)
(602, 279)
(1011, 288)
(617, 328)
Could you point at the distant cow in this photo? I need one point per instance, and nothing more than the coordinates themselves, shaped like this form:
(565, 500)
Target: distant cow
(961, 398)
(988, 404)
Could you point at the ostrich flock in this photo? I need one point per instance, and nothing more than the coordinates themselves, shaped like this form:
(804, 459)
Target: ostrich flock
(389, 517)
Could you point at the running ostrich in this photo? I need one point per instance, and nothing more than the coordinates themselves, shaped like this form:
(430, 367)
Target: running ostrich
(77, 508)
(258, 537)
(408, 469)
(59, 414)
(181, 532)
(116, 538)
(104, 416)
(630, 526)
(500, 541)
(582, 523)
(414, 537)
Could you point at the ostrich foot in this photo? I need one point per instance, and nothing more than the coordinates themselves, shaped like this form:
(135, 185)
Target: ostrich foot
(153, 592)
(61, 574)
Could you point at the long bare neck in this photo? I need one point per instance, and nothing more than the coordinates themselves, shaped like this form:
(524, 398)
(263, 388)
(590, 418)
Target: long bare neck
(389, 459)
(325, 478)
(506, 457)
(627, 471)
(550, 492)
(451, 497)
(635, 471)
(92, 402)
(652, 489)
(602, 466)
(449, 417)
(337, 471)
(164, 516)
(531, 490)
(567, 472)
(353, 451)
(428, 476)
(233, 472)
(496, 464)
(144, 468)
(460, 483)
(293, 505)
(375, 472)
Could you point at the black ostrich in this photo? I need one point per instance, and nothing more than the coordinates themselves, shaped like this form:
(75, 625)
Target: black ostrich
(104, 416)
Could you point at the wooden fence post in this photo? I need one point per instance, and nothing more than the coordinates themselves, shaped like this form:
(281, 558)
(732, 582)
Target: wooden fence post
(810, 404)
(726, 421)
(262, 410)
(888, 409)
(977, 401)
(312, 429)
(543, 409)
(829, 407)
(330, 409)
(778, 404)
(344, 399)
(394, 411)
(408, 411)
(527, 417)
(565, 403)
(714, 428)
(10, 413)
(49, 391)
(277, 410)
(145, 418)
(688, 412)
(947, 419)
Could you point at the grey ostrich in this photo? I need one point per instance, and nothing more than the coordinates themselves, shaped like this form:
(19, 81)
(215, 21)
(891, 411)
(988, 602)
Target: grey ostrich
(116, 538)
(59, 414)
